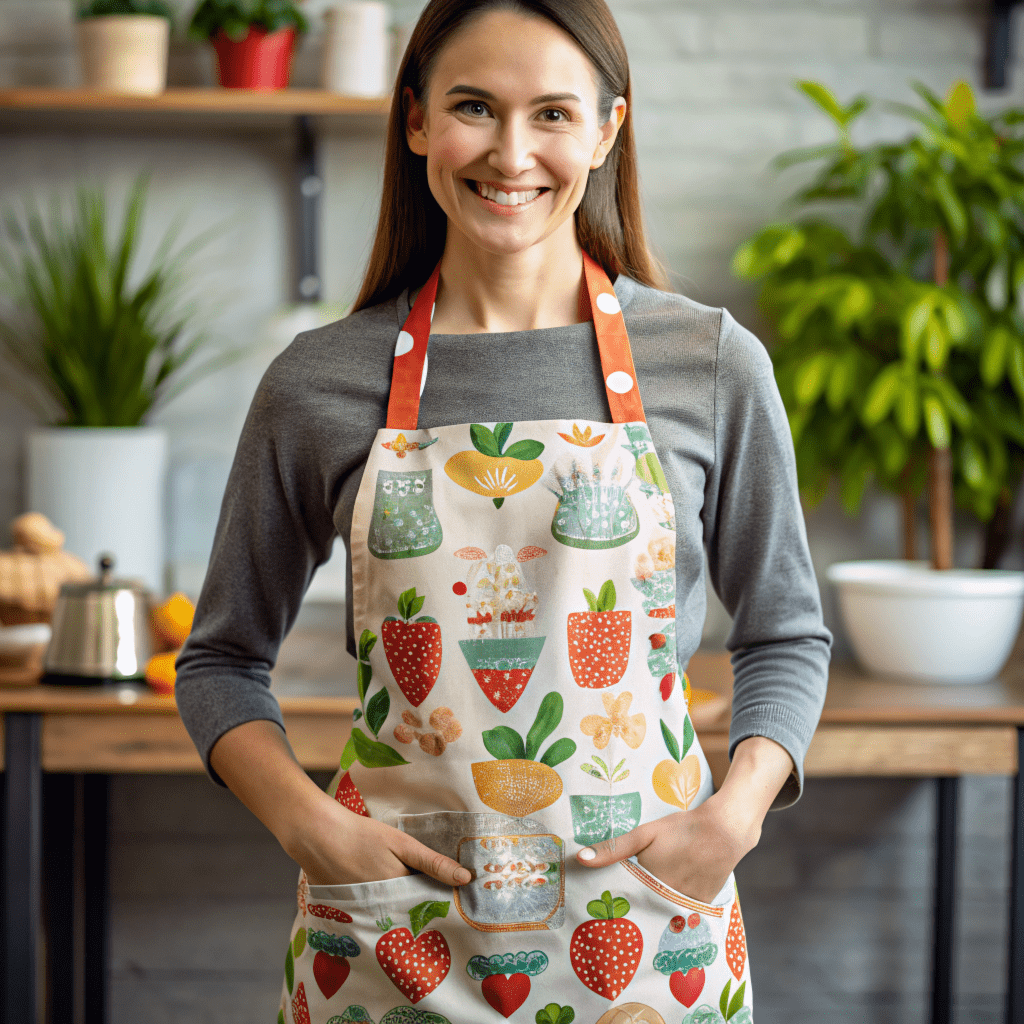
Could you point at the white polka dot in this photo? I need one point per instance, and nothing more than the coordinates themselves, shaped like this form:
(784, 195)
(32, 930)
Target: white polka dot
(620, 382)
(423, 379)
(607, 303)
(405, 343)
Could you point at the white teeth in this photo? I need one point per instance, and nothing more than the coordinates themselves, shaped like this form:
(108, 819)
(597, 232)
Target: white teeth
(505, 198)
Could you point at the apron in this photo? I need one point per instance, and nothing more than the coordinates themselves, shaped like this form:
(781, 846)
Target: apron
(514, 598)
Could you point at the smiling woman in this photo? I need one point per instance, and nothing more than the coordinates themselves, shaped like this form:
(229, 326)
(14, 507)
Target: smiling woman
(549, 521)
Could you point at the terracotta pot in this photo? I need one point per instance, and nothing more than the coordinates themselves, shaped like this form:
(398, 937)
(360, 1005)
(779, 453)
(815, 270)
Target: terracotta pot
(124, 53)
(262, 60)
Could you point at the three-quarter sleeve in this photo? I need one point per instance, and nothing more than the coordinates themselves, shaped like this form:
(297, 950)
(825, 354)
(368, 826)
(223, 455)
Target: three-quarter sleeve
(759, 559)
(275, 528)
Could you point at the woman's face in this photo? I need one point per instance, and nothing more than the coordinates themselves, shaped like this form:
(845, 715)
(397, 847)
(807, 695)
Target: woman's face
(511, 113)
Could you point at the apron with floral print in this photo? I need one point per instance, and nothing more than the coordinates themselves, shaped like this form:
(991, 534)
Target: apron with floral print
(514, 602)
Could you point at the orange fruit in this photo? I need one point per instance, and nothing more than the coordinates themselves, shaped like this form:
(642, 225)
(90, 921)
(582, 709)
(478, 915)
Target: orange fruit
(515, 786)
(160, 672)
(172, 620)
(677, 783)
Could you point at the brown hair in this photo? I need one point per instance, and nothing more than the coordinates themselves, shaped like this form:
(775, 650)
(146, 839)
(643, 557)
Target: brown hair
(412, 226)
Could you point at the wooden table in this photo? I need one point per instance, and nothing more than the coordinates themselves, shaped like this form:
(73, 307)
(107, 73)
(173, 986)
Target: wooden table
(869, 727)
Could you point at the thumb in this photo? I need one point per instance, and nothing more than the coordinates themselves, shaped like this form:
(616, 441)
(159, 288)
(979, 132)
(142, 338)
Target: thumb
(430, 862)
(618, 848)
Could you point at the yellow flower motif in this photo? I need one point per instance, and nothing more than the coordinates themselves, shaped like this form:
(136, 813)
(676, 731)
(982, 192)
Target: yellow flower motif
(631, 728)
(582, 438)
(401, 445)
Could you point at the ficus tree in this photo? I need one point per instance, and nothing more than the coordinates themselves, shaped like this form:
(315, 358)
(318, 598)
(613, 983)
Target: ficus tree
(900, 344)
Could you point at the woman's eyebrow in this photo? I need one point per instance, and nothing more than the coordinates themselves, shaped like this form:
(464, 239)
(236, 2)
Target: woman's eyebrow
(548, 97)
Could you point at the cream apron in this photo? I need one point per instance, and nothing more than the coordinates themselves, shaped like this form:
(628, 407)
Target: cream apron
(514, 598)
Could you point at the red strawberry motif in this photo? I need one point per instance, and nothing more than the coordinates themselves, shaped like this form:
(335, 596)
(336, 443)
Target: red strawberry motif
(415, 966)
(687, 987)
(599, 641)
(413, 649)
(330, 972)
(506, 992)
(300, 1008)
(605, 953)
(349, 796)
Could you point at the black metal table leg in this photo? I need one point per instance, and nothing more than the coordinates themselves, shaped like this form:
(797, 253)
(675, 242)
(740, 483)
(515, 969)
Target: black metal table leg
(59, 895)
(945, 899)
(96, 830)
(23, 807)
(1015, 986)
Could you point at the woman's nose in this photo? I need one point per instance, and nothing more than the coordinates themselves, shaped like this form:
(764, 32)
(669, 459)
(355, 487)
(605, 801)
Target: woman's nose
(512, 151)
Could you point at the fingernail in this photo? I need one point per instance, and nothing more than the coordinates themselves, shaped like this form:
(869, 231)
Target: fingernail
(462, 876)
(588, 854)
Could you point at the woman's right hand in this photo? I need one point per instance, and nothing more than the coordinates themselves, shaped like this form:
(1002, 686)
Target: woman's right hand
(336, 846)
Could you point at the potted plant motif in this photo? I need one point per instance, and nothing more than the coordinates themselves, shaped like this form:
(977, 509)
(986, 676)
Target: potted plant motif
(254, 41)
(122, 45)
(901, 358)
(94, 356)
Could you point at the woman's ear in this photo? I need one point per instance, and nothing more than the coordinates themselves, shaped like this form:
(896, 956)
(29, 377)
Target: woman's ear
(609, 131)
(415, 120)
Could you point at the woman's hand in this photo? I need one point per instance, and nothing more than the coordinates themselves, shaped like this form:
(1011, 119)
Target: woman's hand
(695, 851)
(335, 846)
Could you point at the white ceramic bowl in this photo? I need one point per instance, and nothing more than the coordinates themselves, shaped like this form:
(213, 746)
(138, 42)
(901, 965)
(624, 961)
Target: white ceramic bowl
(909, 621)
(16, 638)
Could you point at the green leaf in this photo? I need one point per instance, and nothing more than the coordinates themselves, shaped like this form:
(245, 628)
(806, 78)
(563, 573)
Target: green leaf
(599, 909)
(881, 395)
(1017, 368)
(367, 640)
(348, 755)
(936, 422)
(498, 502)
(687, 736)
(377, 710)
(289, 969)
(908, 407)
(504, 743)
(405, 602)
(995, 350)
(373, 754)
(591, 599)
(936, 344)
(620, 906)
(501, 432)
(841, 380)
(737, 1001)
(952, 208)
(606, 599)
(671, 742)
(525, 450)
(548, 717)
(955, 403)
(812, 376)
(484, 440)
(723, 1003)
(299, 942)
(423, 913)
(566, 1016)
(357, 714)
(364, 674)
(913, 324)
(972, 463)
(825, 99)
(960, 104)
(426, 618)
(559, 751)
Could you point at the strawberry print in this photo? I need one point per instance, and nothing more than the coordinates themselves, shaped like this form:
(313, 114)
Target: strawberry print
(736, 942)
(349, 796)
(413, 649)
(506, 977)
(330, 965)
(599, 640)
(415, 964)
(605, 953)
(300, 1008)
(685, 949)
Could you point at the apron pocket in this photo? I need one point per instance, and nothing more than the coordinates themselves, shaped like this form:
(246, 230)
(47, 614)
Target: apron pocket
(716, 909)
(387, 890)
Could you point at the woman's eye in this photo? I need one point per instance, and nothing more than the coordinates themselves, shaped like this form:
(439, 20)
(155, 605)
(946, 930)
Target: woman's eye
(554, 110)
(478, 107)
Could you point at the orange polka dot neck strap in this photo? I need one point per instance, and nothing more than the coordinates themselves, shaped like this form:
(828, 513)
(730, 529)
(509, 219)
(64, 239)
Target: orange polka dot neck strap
(410, 368)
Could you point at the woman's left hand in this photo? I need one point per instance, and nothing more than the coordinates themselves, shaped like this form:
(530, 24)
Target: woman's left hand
(695, 851)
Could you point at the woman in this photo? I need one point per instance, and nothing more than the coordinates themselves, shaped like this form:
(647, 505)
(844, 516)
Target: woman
(523, 821)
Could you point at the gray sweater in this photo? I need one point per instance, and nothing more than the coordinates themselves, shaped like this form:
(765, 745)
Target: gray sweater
(715, 416)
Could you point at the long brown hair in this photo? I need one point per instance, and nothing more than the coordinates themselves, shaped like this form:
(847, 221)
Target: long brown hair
(412, 226)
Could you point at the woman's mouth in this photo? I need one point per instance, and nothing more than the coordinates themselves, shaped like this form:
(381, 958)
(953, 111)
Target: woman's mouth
(503, 202)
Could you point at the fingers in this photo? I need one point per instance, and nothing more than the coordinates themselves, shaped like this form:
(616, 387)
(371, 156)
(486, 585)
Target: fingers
(432, 863)
(601, 854)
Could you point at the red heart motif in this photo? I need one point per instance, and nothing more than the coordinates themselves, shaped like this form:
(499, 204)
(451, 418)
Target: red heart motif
(415, 967)
(687, 987)
(506, 993)
(330, 972)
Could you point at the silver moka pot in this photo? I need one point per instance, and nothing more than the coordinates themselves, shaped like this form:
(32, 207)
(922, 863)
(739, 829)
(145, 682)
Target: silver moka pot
(101, 631)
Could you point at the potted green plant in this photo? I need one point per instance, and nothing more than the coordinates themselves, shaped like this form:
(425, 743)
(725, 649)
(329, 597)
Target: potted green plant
(254, 39)
(122, 44)
(900, 359)
(94, 354)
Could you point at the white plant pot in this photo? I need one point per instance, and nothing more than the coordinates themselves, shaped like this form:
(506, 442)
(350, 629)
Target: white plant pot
(909, 621)
(124, 53)
(104, 487)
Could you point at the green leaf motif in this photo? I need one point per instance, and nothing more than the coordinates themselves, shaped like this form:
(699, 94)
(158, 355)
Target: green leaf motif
(525, 450)
(423, 913)
(723, 1002)
(687, 735)
(299, 942)
(555, 1014)
(289, 969)
(348, 755)
(591, 599)
(501, 432)
(504, 743)
(559, 751)
(606, 599)
(671, 742)
(372, 754)
(484, 440)
(364, 674)
(366, 644)
(377, 710)
(736, 1002)
(548, 717)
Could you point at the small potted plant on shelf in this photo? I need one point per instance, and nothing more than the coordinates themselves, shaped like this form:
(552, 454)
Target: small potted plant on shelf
(95, 354)
(122, 45)
(900, 358)
(254, 39)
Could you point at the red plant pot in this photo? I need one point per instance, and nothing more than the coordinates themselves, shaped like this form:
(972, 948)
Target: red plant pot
(262, 60)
